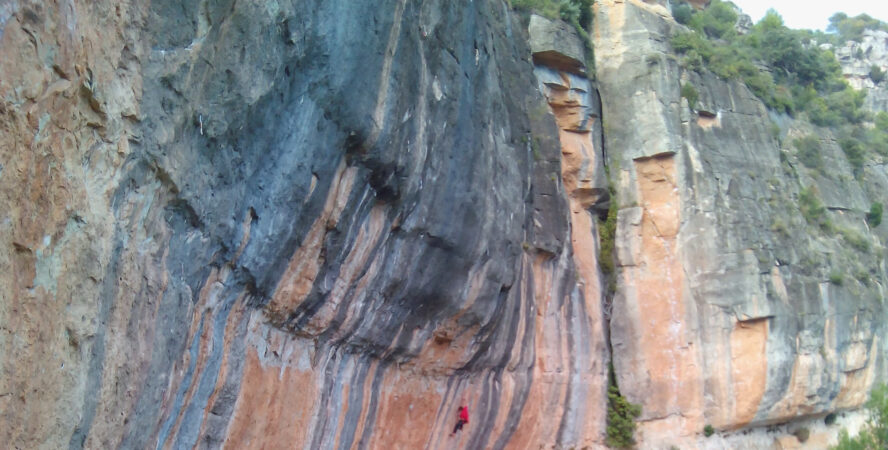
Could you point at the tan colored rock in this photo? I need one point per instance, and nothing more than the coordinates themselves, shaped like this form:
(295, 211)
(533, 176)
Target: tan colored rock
(758, 335)
(749, 364)
(61, 142)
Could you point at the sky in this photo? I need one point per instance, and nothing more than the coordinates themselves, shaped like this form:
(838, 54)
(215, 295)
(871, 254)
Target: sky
(813, 14)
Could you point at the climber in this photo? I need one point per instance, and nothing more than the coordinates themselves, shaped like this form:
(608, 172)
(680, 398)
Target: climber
(463, 419)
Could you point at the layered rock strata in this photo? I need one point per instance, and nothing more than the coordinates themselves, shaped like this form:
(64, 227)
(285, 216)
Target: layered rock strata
(291, 224)
(328, 224)
(731, 310)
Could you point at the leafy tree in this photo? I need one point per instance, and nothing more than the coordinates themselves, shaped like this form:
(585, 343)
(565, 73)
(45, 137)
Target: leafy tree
(783, 49)
(874, 435)
(717, 20)
(682, 12)
(852, 28)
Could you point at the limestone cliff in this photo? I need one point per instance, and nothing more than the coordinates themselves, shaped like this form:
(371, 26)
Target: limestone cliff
(859, 58)
(731, 311)
(328, 224)
(290, 224)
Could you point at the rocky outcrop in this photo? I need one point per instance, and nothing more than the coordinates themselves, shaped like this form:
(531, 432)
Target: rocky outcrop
(732, 310)
(857, 60)
(293, 224)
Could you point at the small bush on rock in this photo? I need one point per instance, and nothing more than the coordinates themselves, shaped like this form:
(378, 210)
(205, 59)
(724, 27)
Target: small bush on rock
(874, 216)
(809, 152)
(688, 92)
(836, 278)
(621, 415)
(812, 208)
(877, 74)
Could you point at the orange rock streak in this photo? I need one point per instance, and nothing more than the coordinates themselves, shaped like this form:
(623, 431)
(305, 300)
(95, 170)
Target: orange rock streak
(669, 358)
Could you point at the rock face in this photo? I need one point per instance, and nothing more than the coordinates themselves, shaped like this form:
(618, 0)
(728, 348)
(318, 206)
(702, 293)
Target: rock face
(732, 309)
(328, 224)
(292, 224)
(858, 59)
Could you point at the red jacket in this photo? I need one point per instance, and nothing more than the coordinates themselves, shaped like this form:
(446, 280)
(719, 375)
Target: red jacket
(464, 414)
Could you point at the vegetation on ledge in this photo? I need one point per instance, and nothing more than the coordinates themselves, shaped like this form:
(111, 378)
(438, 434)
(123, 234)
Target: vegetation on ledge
(575, 12)
(790, 71)
(621, 415)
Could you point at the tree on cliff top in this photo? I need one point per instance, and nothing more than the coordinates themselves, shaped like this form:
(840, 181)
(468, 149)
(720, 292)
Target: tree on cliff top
(874, 435)
(852, 28)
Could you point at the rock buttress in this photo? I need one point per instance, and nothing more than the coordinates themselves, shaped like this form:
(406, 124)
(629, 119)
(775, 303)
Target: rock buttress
(289, 224)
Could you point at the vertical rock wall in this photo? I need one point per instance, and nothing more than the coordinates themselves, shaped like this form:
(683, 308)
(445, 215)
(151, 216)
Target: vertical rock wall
(70, 84)
(327, 224)
(319, 224)
(728, 311)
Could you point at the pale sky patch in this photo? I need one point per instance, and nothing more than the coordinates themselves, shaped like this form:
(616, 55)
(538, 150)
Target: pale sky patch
(813, 15)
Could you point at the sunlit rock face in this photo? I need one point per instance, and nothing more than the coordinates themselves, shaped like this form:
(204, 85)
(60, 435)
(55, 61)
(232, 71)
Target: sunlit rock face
(725, 313)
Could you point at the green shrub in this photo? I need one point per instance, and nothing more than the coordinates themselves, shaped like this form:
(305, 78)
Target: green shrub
(708, 430)
(855, 153)
(802, 434)
(874, 216)
(881, 121)
(809, 152)
(717, 20)
(576, 12)
(812, 208)
(607, 238)
(874, 434)
(620, 419)
(621, 415)
(877, 74)
(546, 8)
(851, 28)
(801, 75)
(682, 12)
(688, 92)
(836, 278)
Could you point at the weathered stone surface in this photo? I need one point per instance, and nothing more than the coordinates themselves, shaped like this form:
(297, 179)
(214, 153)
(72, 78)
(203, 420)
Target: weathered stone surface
(292, 224)
(857, 60)
(725, 313)
(555, 44)
(327, 224)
